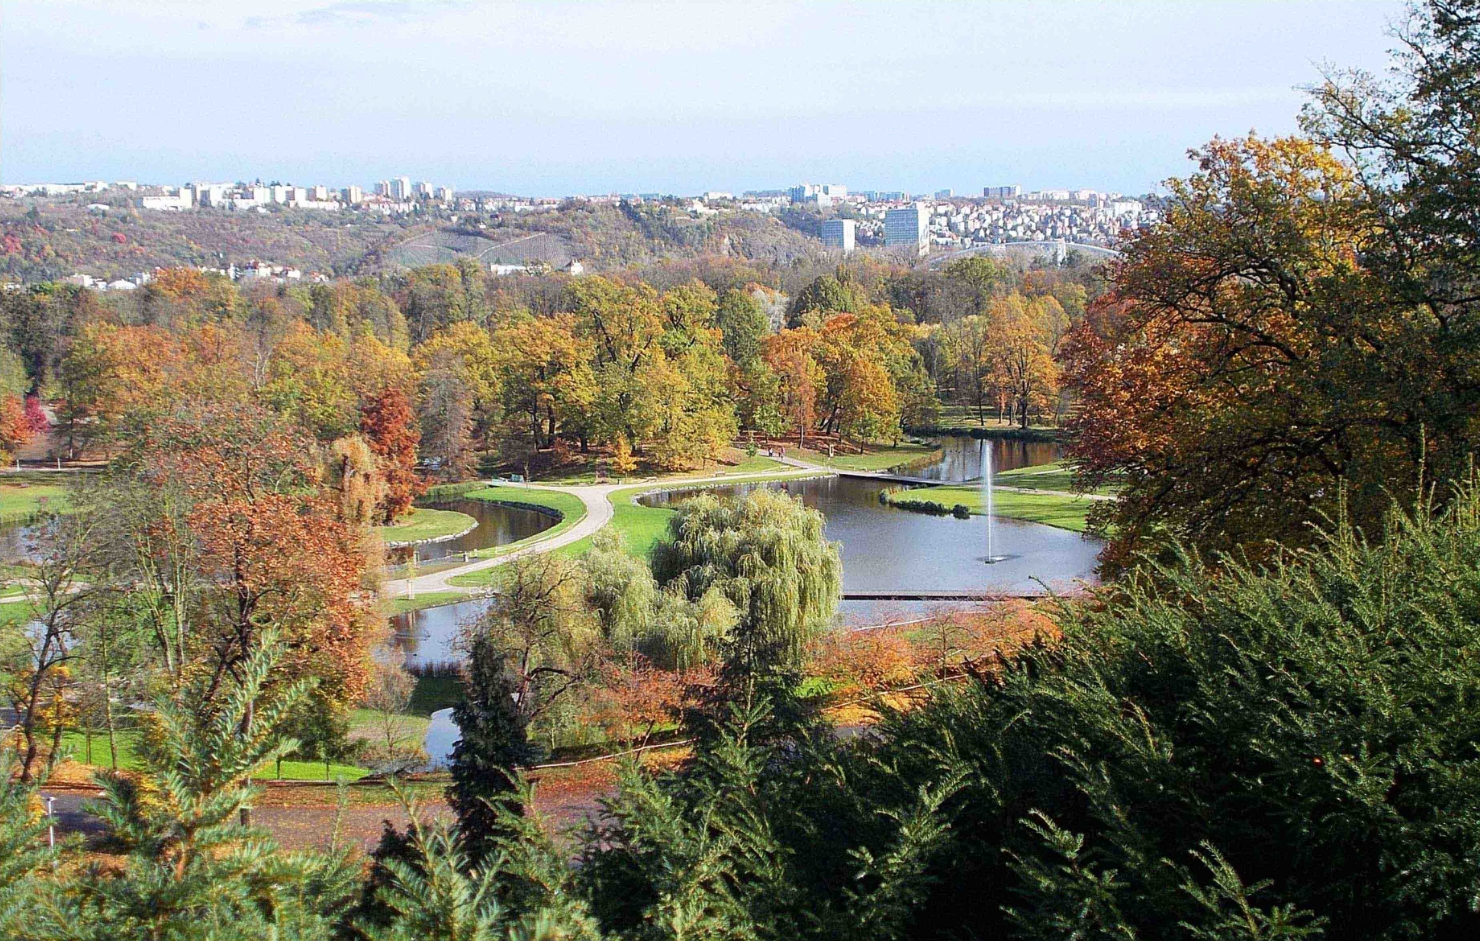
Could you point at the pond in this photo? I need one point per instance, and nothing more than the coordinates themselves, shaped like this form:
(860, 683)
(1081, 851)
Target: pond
(889, 549)
(883, 548)
(498, 525)
(961, 458)
(426, 637)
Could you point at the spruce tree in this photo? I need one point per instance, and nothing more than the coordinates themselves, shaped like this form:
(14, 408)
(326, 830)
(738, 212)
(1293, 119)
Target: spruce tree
(494, 744)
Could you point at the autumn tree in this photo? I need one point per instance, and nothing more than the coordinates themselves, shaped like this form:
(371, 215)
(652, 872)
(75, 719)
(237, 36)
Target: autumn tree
(545, 375)
(221, 508)
(966, 345)
(1250, 373)
(792, 356)
(15, 430)
(388, 425)
(1021, 335)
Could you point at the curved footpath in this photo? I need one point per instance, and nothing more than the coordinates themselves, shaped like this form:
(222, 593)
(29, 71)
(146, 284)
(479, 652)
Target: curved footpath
(599, 512)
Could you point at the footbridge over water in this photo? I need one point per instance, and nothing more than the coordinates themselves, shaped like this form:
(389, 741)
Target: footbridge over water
(909, 594)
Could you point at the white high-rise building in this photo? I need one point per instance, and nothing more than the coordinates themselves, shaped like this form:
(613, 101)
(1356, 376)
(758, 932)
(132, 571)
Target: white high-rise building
(838, 235)
(423, 189)
(401, 188)
(908, 226)
(353, 195)
(319, 194)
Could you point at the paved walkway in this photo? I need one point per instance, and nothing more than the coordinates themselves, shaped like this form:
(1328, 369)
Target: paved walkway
(599, 512)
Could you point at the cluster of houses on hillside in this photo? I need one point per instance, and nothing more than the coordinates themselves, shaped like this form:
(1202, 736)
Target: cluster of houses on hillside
(252, 271)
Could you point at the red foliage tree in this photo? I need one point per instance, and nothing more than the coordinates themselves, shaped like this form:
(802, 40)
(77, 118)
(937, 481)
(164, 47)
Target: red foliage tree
(14, 431)
(270, 548)
(36, 421)
(389, 425)
(635, 698)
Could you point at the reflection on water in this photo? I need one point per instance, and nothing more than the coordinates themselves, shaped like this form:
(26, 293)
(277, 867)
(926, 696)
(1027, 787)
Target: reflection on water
(442, 735)
(961, 458)
(498, 525)
(426, 637)
(888, 549)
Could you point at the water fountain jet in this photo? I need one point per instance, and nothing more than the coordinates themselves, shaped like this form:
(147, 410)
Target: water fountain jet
(988, 504)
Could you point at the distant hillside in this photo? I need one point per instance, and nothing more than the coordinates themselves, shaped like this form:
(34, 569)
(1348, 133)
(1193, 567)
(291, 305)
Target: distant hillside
(506, 247)
(47, 239)
(44, 240)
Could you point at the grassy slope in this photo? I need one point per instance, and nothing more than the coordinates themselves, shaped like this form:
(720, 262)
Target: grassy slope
(424, 523)
(22, 500)
(76, 744)
(878, 458)
(1065, 511)
(965, 416)
(1043, 477)
(570, 476)
(393, 606)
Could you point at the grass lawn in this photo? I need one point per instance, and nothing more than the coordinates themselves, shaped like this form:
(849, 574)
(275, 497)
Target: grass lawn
(965, 416)
(735, 461)
(15, 611)
(1065, 511)
(879, 457)
(75, 744)
(1044, 477)
(423, 524)
(21, 500)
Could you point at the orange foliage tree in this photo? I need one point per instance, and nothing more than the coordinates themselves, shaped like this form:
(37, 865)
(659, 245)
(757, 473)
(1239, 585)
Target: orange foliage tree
(1250, 372)
(269, 546)
(389, 426)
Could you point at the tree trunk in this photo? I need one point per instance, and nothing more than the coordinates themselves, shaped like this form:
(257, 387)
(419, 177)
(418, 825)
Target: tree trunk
(108, 723)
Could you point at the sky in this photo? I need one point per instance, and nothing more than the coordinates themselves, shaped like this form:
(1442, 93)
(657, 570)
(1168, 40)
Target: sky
(556, 98)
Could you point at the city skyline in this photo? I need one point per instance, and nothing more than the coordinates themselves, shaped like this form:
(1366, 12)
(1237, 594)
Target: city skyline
(557, 99)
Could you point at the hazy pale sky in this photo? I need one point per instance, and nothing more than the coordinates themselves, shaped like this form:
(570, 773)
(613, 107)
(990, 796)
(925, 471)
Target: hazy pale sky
(554, 98)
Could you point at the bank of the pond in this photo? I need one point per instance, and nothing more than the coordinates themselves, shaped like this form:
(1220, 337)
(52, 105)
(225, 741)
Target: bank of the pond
(1055, 476)
(431, 599)
(877, 458)
(21, 502)
(1060, 510)
(425, 524)
(566, 506)
(641, 526)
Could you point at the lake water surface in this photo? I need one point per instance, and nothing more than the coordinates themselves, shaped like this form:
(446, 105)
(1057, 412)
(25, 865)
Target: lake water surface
(498, 525)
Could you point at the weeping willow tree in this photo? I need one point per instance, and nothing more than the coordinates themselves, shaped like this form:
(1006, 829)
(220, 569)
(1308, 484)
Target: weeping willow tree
(671, 631)
(765, 553)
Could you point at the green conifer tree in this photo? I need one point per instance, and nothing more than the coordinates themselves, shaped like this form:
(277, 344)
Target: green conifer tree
(494, 744)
